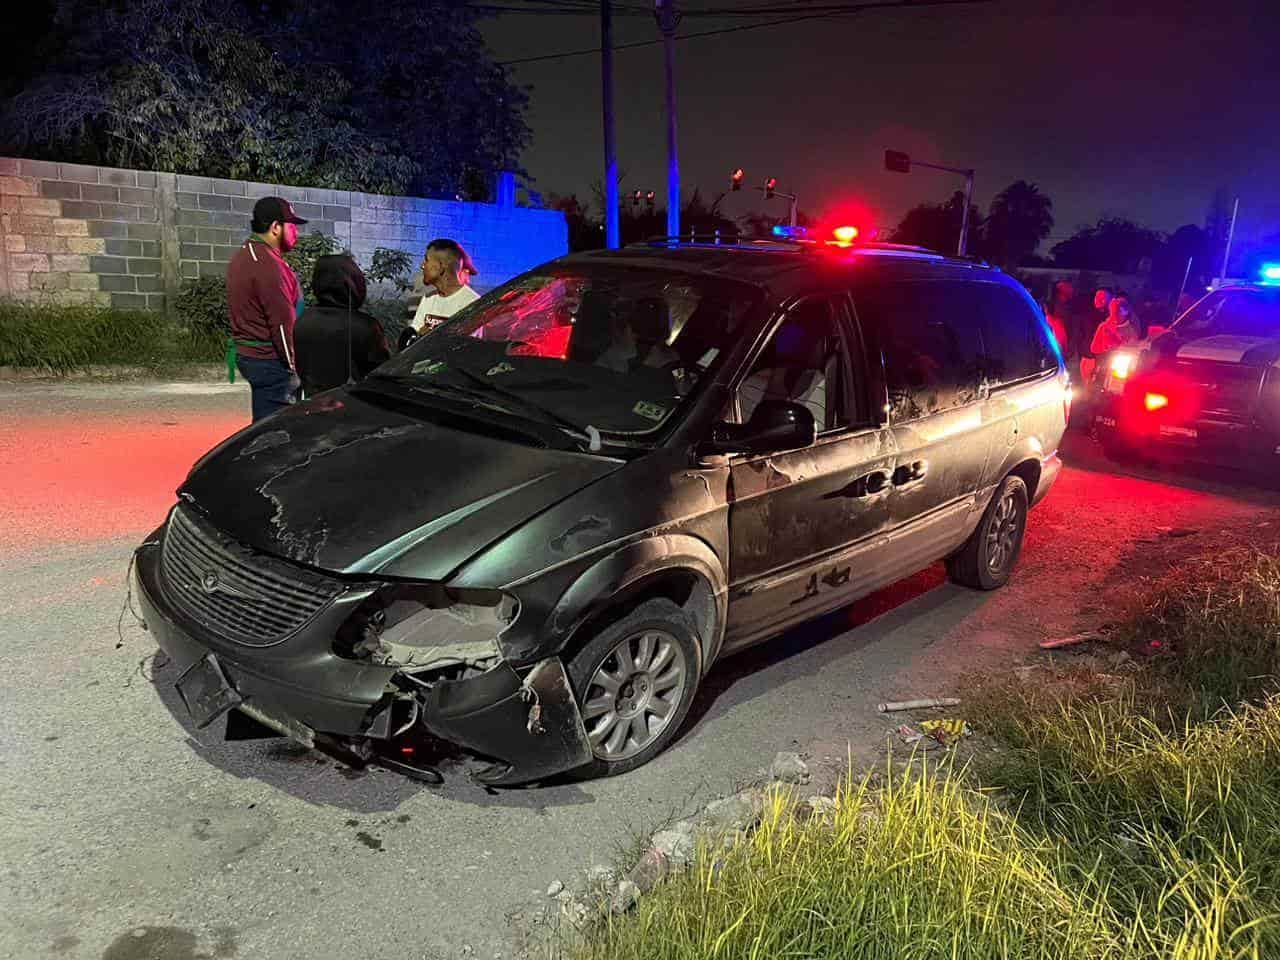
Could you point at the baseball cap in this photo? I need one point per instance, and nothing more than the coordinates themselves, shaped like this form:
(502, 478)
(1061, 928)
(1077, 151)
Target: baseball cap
(271, 209)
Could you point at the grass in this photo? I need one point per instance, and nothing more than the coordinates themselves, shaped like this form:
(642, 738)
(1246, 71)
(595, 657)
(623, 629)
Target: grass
(1133, 817)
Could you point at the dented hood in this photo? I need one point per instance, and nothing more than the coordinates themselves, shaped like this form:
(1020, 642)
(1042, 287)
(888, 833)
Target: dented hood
(345, 485)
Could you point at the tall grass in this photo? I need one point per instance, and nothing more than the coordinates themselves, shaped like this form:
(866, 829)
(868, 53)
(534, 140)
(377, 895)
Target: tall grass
(1130, 819)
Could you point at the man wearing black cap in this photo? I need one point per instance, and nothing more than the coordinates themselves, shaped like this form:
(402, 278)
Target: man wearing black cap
(263, 299)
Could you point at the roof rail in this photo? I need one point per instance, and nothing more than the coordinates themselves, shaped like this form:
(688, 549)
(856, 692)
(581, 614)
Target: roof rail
(725, 240)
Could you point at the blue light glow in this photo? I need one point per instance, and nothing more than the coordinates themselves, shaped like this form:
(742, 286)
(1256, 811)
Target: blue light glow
(1270, 273)
(790, 233)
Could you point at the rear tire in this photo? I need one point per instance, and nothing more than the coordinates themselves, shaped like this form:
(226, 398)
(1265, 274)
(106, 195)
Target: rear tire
(987, 559)
(635, 682)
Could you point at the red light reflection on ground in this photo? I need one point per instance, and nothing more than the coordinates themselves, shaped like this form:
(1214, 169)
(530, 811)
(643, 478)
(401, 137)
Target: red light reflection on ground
(88, 478)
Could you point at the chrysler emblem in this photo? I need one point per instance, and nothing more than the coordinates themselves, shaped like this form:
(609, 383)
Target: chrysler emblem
(209, 581)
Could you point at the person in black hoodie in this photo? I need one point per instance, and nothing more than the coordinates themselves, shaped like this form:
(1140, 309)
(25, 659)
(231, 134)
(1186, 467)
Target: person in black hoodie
(335, 340)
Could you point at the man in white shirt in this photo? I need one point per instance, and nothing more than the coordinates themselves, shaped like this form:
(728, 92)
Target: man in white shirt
(447, 270)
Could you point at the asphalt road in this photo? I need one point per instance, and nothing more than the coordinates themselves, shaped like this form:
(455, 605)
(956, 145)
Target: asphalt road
(127, 836)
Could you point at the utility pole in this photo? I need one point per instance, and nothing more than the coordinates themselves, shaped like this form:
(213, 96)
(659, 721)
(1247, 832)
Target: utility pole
(613, 233)
(668, 19)
(1231, 233)
(898, 162)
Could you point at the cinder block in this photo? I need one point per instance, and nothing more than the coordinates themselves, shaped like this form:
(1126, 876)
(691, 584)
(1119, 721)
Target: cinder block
(15, 243)
(337, 213)
(48, 281)
(38, 168)
(86, 245)
(150, 284)
(128, 301)
(146, 179)
(19, 186)
(118, 284)
(364, 215)
(194, 184)
(37, 226)
(59, 190)
(69, 263)
(71, 228)
(109, 265)
(224, 252)
(197, 218)
(150, 249)
(10, 204)
(155, 301)
(229, 188)
(144, 231)
(149, 214)
(101, 299)
(118, 178)
(195, 251)
(243, 205)
(82, 209)
(232, 221)
(9, 167)
(119, 211)
(309, 211)
(108, 228)
(210, 201)
(189, 270)
(187, 201)
(138, 196)
(99, 194)
(120, 247)
(215, 235)
(40, 207)
(79, 172)
(46, 244)
(83, 281)
(19, 281)
(73, 297)
(216, 270)
(145, 266)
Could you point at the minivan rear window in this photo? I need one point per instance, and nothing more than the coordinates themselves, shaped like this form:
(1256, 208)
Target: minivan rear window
(1015, 339)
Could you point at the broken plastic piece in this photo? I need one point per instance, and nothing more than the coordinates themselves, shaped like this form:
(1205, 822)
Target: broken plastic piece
(1071, 641)
(895, 706)
(945, 731)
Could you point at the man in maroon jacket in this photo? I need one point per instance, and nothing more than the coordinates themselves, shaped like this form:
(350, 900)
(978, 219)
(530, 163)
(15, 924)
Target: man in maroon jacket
(264, 300)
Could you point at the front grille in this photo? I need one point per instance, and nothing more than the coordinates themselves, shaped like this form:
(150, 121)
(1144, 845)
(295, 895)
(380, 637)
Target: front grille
(234, 592)
(1228, 391)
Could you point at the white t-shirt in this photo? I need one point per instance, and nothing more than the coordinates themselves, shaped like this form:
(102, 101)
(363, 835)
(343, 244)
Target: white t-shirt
(434, 308)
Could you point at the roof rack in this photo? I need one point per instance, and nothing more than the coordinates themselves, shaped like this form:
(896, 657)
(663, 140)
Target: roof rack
(724, 240)
(773, 243)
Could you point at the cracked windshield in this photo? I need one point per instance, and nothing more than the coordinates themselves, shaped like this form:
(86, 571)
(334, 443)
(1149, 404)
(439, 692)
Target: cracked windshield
(591, 350)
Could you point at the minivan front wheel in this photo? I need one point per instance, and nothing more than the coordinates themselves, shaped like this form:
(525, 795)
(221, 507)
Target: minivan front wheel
(635, 681)
(987, 559)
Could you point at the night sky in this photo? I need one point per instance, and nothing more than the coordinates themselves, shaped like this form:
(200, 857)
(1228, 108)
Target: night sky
(1134, 109)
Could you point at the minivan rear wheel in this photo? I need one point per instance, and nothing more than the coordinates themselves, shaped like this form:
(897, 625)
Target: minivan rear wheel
(987, 559)
(635, 681)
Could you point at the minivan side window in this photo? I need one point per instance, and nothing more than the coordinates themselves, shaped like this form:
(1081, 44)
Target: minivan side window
(928, 334)
(1014, 337)
(804, 363)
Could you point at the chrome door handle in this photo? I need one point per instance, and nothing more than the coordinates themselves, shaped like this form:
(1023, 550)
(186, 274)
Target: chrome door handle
(910, 473)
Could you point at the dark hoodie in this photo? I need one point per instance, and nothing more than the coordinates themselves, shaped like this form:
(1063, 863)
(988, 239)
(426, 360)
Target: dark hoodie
(321, 333)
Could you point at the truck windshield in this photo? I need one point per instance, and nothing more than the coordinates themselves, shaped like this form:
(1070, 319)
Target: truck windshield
(1239, 313)
(619, 350)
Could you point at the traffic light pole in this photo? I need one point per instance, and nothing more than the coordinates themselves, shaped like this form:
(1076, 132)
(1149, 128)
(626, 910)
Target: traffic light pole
(667, 20)
(899, 162)
(613, 233)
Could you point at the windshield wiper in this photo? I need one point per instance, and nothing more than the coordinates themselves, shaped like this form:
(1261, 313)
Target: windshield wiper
(588, 433)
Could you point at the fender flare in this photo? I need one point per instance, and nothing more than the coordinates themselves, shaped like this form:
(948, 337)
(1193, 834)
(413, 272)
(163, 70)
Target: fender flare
(629, 568)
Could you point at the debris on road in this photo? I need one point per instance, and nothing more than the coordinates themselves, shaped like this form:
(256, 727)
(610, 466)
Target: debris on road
(555, 888)
(945, 732)
(1074, 640)
(624, 898)
(897, 706)
(909, 734)
(789, 768)
(677, 844)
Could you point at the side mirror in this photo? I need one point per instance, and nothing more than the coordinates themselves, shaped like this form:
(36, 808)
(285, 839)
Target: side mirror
(775, 425)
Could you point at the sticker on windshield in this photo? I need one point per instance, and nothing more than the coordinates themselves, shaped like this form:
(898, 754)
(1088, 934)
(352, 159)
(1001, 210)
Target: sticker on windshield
(500, 368)
(650, 411)
(428, 366)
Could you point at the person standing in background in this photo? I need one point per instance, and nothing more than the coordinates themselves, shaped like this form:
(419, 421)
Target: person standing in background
(447, 270)
(1057, 314)
(263, 298)
(336, 340)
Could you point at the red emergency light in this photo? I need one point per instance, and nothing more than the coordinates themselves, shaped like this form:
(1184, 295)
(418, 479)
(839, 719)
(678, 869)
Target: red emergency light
(1155, 401)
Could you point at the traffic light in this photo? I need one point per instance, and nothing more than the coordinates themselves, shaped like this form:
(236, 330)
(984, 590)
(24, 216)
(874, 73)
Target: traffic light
(636, 198)
(897, 161)
(735, 180)
(770, 187)
(649, 198)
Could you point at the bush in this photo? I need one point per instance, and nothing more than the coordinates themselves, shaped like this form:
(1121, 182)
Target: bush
(63, 337)
(303, 257)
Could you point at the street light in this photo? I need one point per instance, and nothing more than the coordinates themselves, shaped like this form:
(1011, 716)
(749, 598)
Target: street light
(896, 161)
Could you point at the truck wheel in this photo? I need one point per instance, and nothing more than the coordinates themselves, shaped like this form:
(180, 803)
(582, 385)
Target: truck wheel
(987, 558)
(634, 682)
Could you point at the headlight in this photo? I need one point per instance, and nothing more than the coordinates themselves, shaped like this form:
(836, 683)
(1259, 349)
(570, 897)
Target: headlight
(419, 627)
(1122, 364)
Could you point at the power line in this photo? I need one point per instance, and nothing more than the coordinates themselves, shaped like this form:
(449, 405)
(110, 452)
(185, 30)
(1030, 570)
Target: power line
(835, 11)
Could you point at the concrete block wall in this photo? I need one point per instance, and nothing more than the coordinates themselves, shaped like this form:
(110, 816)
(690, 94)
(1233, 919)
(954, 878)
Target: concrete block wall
(128, 238)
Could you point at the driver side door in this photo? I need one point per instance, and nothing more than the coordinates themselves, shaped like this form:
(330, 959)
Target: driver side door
(807, 527)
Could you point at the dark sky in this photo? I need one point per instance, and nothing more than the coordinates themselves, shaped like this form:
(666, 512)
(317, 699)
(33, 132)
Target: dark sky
(1134, 109)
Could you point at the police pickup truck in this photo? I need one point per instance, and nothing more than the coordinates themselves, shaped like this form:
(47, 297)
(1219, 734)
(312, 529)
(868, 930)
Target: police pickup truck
(1206, 389)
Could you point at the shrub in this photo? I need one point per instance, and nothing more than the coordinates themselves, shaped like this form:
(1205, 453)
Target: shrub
(303, 257)
(391, 266)
(62, 337)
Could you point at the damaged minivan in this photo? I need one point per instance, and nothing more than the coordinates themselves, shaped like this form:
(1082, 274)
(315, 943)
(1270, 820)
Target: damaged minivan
(533, 533)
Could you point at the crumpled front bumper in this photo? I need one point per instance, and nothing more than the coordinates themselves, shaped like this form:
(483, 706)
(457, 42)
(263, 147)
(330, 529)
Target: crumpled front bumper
(529, 722)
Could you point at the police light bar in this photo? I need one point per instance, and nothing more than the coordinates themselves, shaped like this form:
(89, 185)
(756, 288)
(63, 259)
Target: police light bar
(790, 233)
(1270, 274)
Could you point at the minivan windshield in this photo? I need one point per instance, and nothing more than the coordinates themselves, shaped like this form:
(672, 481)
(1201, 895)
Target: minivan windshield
(612, 349)
(1239, 313)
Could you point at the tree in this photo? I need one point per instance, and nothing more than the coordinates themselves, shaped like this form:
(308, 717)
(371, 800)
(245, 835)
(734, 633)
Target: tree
(1115, 245)
(1021, 216)
(586, 231)
(937, 225)
(322, 94)
(1169, 266)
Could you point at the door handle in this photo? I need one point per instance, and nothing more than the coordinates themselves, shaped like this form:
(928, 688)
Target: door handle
(868, 485)
(908, 474)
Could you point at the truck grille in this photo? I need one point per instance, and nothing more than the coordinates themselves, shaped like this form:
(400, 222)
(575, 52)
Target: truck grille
(234, 592)
(1228, 391)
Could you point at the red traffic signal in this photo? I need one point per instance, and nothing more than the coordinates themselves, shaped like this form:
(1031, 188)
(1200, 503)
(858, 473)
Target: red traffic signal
(897, 161)
(735, 180)
(770, 186)
(650, 197)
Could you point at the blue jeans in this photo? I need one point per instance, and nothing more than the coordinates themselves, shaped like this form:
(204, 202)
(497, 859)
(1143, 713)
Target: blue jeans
(273, 384)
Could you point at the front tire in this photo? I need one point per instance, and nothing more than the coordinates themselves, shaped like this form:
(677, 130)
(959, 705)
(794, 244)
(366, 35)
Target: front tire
(635, 682)
(987, 559)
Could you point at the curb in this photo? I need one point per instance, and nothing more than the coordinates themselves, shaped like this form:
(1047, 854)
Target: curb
(114, 373)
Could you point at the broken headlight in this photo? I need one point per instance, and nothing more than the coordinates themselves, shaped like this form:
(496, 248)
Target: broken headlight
(426, 627)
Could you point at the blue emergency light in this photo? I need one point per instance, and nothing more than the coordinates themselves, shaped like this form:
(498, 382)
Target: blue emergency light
(1270, 274)
(790, 233)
